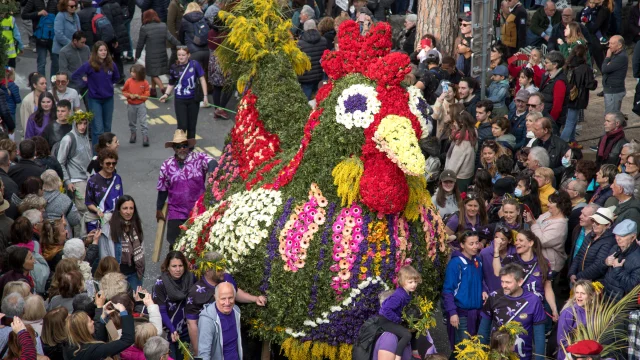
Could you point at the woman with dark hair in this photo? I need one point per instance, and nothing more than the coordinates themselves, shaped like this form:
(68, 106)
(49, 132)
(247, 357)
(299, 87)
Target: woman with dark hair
(527, 193)
(581, 81)
(482, 184)
(103, 190)
(99, 74)
(603, 194)
(552, 228)
(40, 119)
(170, 293)
(17, 265)
(54, 334)
(447, 196)
(474, 212)
(501, 249)
(461, 155)
(569, 162)
(586, 171)
(38, 85)
(107, 140)
(538, 273)
(33, 185)
(491, 150)
(153, 37)
(43, 156)
(126, 240)
(22, 235)
(70, 285)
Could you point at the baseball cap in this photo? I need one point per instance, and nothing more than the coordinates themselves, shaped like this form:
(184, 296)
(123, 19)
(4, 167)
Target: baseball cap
(448, 175)
(523, 95)
(501, 70)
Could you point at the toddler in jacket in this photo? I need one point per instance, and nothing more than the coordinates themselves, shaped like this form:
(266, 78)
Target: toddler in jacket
(137, 91)
(392, 307)
(498, 90)
(11, 90)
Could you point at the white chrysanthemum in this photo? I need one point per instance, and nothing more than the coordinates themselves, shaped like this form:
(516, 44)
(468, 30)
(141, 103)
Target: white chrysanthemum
(357, 106)
(421, 109)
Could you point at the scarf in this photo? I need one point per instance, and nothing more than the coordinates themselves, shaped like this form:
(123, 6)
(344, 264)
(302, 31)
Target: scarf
(50, 252)
(608, 140)
(177, 291)
(132, 252)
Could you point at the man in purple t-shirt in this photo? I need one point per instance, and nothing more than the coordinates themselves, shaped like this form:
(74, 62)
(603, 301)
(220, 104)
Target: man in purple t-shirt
(219, 325)
(515, 304)
(181, 182)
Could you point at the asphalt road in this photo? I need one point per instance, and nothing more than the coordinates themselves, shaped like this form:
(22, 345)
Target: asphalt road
(139, 166)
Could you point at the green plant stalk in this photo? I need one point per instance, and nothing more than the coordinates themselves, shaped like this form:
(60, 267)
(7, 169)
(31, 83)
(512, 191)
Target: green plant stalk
(184, 348)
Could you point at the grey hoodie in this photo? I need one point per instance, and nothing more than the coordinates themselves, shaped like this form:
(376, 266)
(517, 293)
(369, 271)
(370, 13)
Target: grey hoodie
(210, 336)
(74, 159)
(59, 204)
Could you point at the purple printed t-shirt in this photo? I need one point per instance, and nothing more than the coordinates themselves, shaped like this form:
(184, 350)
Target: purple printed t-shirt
(201, 295)
(527, 309)
(185, 89)
(229, 335)
(492, 282)
(532, 273)
(185, 185)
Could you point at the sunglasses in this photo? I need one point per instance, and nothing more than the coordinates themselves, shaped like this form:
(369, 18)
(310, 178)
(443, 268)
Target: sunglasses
(533, 105)
(71, 6)
(61, 82)
(465, 25)
(180, 146)
(110, 163)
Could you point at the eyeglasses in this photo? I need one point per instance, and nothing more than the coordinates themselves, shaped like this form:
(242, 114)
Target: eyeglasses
(110, 163)
(62, 82)
(629, 163)
(533, 105)
(180, 146)
(71, 6)
(465, 25)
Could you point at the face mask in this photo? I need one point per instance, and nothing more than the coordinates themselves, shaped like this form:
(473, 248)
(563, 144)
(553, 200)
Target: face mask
(517, 193)
(565, 162)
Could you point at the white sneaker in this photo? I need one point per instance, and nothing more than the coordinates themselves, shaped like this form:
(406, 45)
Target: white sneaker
(34, 49)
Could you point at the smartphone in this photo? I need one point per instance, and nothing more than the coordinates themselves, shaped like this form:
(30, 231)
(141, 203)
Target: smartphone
(141, 295)
(445, 87)
(526, 208)
(425, 43)
(467, 8)
(6, 321)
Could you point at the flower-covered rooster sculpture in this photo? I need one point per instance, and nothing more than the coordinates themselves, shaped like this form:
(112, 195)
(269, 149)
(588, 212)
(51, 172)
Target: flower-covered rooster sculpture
(318, 208)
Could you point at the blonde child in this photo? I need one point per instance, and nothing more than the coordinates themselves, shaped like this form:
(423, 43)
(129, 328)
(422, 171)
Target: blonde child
(391, 309)
(137, 90)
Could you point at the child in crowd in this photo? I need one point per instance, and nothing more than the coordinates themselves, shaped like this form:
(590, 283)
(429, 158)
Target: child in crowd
(391, 309)
(137, 90)
(501, 343)
(11, 90)
(498, 90)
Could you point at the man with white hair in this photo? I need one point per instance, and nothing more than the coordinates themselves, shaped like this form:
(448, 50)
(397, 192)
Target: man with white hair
(13, 306)
(537, 158)
(306, 13)
(623, 272)
(313, 44)
(628, 207)
(156, 348)
(542, 23)
(580, 232)
(614, 73)
(219, 325)
(35, 218)
(577, 189)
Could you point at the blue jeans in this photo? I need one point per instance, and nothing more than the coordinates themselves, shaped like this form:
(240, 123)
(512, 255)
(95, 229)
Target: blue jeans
(102, 110)
(616, 17)
(461, 330)
(569, 131)
(134, 281)
(308, 88)
(129, 47)
(42, 60)
(533, 39)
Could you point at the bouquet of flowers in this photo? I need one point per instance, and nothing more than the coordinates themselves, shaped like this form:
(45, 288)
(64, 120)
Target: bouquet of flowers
(425, 318)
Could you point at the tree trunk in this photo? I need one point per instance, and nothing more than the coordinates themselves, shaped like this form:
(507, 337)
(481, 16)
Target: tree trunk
(439, 18)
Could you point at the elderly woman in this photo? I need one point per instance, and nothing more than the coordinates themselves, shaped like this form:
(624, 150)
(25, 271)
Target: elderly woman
(409, 37)
(611, 143)
(551, 228)
(74, 249)
(603, 194)
(156, 348)
(589, 262)
(34, 312)
(627, 149)
(58, 204)
(573, 314)
(632, 167)
(544, 177)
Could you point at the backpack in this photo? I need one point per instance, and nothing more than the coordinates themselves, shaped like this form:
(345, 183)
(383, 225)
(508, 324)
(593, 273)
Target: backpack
(72, 145)
(44, 31)
(369, 333)
(200, 33)
(432, 88)
(102, 28)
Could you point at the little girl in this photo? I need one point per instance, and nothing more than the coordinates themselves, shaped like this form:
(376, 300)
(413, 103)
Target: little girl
(137, 90)
(11, 91)
(391, 309)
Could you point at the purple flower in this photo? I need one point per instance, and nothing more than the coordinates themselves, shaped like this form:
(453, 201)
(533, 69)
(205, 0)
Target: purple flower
(272, 246)
(325, 240)
(355, 102)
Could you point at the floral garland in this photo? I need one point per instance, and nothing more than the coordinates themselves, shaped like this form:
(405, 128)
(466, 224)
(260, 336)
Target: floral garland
(396, 138)
(421, 109)
(347, 236)
(80, 116)
(298, 231)
(434, 234)
(252, 145)
(244, 225)
(224, 174)
(403, 246)
(286, 174)
(357, 106)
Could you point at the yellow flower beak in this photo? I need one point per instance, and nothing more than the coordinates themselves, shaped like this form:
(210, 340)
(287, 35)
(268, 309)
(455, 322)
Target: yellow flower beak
(396, 138)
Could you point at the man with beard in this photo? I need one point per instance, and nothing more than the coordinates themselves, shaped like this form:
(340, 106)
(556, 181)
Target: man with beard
(211, 266)
(467, 92)
(515, 304)
(182, 181)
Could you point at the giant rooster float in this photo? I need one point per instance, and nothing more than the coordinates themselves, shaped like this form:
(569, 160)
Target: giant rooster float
(318, 208)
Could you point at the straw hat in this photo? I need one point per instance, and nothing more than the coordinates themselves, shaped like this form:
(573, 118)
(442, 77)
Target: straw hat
(180, 136)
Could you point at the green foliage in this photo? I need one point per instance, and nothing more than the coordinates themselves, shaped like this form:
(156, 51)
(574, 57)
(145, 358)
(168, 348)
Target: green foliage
(4, 59)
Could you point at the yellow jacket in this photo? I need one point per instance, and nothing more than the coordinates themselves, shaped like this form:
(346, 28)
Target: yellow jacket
(544, 193)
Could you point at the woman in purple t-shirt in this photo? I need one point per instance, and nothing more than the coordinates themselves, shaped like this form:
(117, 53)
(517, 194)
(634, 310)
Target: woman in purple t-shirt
(183, 77)
(40, 119)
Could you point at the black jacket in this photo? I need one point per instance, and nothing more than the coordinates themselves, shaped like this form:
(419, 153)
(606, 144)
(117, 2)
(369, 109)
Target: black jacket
(629, 209)
(410, 41)
(102, 350)
(33, 7)
(10, 188)
(330, 36)
(595, 49)
(589, 263)
(86, 15)
(24, 169)
(160, 6)
(540, 21)
(470, 105)
(634, 27)
(54, 352)
(50, 162)
(601, 22)
(583, 80)
(556, 148)
(621, 280)
(7, 119)
(547, 85)
(113, 11)
(187, 33)
(484, 133)
(314, 45)
(614, 72)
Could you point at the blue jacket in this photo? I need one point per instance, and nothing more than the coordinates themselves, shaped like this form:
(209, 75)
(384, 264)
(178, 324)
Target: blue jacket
(519, 130)
(12, 95)
(392, 307)
(497, 93)
(210, 335)
(64, 27)
(619, 281)
(462, 284)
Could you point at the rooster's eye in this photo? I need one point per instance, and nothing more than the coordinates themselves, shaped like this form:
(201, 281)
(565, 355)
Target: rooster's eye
(421, 109)
(357, 106)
